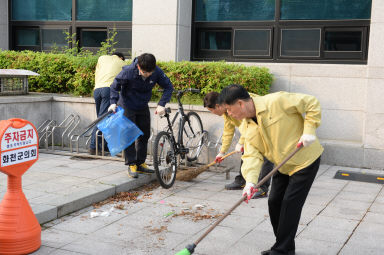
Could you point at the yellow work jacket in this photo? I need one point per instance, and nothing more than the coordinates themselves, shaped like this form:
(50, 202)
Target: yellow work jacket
(228, 131)
(282, 118)
(106, 70)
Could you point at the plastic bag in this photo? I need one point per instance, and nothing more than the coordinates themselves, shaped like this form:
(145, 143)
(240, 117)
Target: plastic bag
(118, 131)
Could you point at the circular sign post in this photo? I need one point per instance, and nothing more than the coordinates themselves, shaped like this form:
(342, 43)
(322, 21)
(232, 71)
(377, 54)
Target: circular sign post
(20, 232)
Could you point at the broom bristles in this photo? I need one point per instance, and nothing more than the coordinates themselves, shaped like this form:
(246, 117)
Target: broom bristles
(190, 174)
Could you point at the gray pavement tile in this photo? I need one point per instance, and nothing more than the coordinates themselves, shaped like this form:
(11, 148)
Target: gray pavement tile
(325, 234)
(343, 212)
(359, 249)
(364, 241)
(190, 192)
(371, 227)
(252, 243)
(251, 221)
(66, 252)
(377, 207)
(356, 196)
(220, 239)
(185, 225)
(373, 217)
(310, 212)
(48, 186)
(91, 246)
(43, 250)
(79, 225)
(56, 238)
(325, 183)
(333, 223)
(363, 187)
(316, 247)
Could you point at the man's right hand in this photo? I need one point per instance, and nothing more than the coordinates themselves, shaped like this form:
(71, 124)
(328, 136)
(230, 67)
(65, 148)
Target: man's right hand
(239, 148)
(219, 157)
(112, 107)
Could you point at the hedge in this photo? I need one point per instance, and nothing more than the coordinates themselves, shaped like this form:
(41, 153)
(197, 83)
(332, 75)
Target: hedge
(61, 73)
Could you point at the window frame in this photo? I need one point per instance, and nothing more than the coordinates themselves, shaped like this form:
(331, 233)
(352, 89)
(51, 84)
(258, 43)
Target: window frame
(72, 26)
(276, 26)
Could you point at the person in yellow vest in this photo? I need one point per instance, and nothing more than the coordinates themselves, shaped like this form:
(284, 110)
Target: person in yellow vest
(211, 102)
(272, 126)
(108, 66)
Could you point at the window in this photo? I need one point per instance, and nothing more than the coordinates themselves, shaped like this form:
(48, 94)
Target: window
(330, 31)
(39, 24)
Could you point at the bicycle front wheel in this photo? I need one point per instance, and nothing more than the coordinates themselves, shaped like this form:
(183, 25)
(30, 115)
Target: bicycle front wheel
(193, 135)
(164, 160)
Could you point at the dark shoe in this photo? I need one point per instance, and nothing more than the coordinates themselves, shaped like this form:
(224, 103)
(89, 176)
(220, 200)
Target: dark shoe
(260, 194)
(143, 169)
(235, 185)
(269, 252)
(132, 171)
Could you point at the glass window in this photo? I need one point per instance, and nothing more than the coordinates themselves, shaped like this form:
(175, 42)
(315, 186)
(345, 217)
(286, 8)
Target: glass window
(53, 37)
(252, 42)
(300, 42)
(232, 10)
(41, 9)
(215, 40)
(93, 38)
(123, 39)
(343, 40)
(27, 37)
(325, 9)
(104, 10)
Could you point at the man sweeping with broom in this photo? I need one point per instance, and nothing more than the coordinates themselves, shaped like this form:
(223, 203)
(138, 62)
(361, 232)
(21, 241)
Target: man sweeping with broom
(272, 126)
(211, 102)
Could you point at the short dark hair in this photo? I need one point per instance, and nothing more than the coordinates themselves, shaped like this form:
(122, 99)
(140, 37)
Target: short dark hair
(230, 94)
(119, 54)
(147, 62)
(210, 100)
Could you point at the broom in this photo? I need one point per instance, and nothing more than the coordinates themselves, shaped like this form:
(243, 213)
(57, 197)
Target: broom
(191, 174)
(191, 247)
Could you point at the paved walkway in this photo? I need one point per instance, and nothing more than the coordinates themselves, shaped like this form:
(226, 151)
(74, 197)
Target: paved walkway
(339, 217)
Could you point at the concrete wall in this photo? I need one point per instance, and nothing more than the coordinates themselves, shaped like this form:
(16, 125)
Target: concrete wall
(4, 34)
(162, 28)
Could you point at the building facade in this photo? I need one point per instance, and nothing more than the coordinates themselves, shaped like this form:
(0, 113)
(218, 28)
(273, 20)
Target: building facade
(330, 49)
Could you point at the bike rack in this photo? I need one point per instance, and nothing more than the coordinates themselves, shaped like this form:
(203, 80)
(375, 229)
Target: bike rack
(45, 131)
(71, 120)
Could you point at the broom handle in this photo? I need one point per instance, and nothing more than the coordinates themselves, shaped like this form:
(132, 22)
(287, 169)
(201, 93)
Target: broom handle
(269, 175)
(223, 157)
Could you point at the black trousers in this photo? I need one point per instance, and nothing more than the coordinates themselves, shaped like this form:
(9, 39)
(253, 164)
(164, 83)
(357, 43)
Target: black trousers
(265, 169)
(136, 153)
(286, 200)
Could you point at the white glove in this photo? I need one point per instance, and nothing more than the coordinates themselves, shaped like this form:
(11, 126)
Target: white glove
(249, 190)
(307, 139)
(160, 110)
(112, 107)
(219, 157)
(239, 147)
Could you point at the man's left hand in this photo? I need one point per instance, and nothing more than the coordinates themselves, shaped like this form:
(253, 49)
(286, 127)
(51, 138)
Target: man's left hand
(307, 139)
(249, 190)
(160, 110)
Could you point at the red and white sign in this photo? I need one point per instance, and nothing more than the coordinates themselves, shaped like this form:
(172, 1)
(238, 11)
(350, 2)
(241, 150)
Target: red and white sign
(18, 145)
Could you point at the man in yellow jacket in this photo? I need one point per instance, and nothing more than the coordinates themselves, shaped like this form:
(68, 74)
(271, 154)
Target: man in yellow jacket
(272, 126)
(106, 70)
(211, 102)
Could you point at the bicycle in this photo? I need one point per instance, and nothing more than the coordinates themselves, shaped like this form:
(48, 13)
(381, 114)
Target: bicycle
(190, 140)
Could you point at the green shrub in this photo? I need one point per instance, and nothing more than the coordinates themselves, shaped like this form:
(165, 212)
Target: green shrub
(64, 73)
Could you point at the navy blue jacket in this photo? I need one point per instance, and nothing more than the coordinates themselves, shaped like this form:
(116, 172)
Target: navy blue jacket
(135, 92)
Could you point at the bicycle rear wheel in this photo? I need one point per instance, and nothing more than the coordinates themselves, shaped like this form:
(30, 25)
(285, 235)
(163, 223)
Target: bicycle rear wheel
(193, 135)
(164, 160)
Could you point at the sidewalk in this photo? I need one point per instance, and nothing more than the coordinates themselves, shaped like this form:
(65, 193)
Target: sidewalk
(57, 185)
(339, 217)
